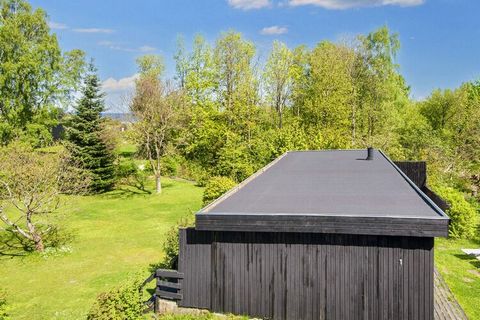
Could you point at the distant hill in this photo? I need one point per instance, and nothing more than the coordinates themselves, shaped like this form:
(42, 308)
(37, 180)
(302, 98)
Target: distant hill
(122, 117)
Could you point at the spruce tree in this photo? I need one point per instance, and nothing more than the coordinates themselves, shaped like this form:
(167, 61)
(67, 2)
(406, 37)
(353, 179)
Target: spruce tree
(84, 135)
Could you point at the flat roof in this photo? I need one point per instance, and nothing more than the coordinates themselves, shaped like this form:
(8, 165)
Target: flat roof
(326, 184)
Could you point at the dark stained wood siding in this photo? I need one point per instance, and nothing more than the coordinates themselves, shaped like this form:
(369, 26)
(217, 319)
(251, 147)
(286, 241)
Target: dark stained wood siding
(307, 275)
(415, 171)
(195, 260)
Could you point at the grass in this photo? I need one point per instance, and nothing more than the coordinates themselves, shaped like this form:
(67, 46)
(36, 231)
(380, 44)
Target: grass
(461, 272)
(117, 235)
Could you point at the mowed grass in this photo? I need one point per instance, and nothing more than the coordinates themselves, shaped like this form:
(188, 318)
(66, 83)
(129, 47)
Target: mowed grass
(461, 272)
(116, 236)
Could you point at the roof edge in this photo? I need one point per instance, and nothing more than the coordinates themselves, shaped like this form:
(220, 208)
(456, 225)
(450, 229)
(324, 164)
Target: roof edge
(380, 226)
(422, 195)
(227, 194)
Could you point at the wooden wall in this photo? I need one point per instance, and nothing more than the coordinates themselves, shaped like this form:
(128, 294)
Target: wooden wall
(307, 276)
(415, 171)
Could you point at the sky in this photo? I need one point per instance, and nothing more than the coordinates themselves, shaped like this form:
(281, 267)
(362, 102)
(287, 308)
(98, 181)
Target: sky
(440, 38)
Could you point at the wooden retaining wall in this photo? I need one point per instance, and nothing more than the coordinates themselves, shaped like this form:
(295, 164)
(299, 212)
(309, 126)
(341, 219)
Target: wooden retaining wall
(307, 275)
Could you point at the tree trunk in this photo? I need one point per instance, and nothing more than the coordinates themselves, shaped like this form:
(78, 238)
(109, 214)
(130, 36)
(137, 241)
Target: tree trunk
(158, 185)
(39, 246)
(36, 237)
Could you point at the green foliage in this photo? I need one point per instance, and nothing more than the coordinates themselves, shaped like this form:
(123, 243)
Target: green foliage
(129, 173)
(171, 245)
(85, 136)
(3, 305)
(151, 65)
(35, 77)
(37, 135)
(215, 187)
(463, 215)
(170, 165)
(124, 302)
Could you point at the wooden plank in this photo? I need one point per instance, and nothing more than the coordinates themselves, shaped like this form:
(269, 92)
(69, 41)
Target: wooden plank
(167, 284)
(148, 280)
(168, 295)
(165, 273)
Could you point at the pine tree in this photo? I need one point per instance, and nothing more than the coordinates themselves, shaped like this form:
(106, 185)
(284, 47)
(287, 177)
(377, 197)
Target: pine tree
(84, 135)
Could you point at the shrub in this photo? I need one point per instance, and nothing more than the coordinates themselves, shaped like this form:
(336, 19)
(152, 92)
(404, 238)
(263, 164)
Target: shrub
(235, 159)
(191, 170)
(124, 302)
(125, 168)
(37, 135)
(172, 244)
(3, 305)
(169, 166)
(215, 187)
(129, 173)
(462, 214)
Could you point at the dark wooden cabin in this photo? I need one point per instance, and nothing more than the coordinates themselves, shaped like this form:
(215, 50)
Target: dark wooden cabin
(317, 235)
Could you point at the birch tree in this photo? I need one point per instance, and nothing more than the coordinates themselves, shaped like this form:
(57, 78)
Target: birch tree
(154, 107)
(279, 77)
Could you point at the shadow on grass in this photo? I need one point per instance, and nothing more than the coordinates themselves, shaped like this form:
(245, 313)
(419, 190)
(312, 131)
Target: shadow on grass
(127, 153)
(11, 246)
(126, 192)
(470, 259)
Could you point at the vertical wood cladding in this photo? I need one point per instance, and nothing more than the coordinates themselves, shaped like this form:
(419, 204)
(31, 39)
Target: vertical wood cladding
(307, 275)
(415, 171)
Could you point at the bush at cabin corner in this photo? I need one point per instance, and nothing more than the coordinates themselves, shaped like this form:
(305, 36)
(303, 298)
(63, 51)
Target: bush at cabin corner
(172, 244)
(124, 302)
(215, 187)
(462, 214)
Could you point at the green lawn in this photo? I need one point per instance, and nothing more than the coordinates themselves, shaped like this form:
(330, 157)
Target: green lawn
(461, 272)
(116, 236)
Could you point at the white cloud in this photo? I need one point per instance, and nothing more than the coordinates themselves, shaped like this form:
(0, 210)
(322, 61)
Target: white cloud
(123, 84)
(249, 4)
(93, 30)
(347, 4)
(120, 47)
(57, 26)
(147, 49)
(273, 30)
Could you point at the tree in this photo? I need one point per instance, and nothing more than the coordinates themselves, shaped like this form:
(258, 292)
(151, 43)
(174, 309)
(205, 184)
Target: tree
(31, 184)
(279, 77)
(155, 107)
(237, 85)
(36, 79)
(85, 135)
(200, 74)
(454, 116)
(181, 62)
(440, 108)
(327, 99)
(380, 90)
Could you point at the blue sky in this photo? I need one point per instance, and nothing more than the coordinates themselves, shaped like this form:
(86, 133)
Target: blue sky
(440, 38)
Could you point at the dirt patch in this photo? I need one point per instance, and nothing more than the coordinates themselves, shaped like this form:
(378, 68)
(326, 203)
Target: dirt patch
(474, 272)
